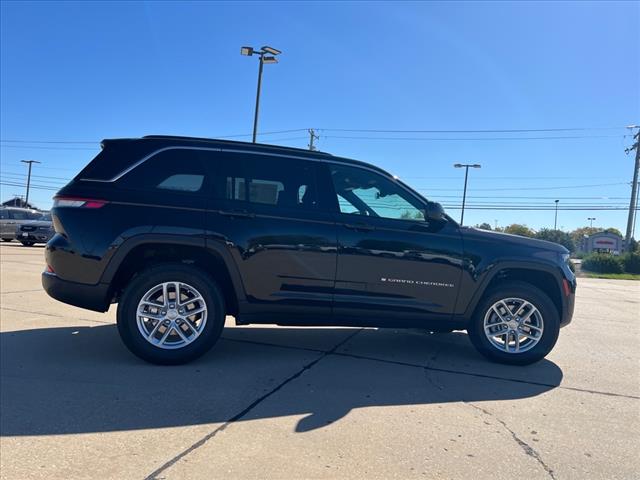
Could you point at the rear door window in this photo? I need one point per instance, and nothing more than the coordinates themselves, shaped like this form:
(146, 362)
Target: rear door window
(265, 183)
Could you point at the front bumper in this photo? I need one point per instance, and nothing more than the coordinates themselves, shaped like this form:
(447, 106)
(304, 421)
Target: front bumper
(34, 236)
(92, 297)
(569, 301)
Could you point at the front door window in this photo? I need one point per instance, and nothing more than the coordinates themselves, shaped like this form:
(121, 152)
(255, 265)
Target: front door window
(360, 192)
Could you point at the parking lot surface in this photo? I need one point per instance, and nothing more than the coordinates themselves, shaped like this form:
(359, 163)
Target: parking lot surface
(281, 402)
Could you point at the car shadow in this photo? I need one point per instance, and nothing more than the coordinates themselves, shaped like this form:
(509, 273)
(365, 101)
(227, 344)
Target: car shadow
(82, 380)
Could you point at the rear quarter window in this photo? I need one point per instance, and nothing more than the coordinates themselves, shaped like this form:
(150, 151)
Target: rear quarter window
(177, 170)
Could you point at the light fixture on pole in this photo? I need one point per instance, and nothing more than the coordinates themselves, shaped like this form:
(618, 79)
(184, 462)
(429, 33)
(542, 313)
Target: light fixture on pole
(591, 219)
(29, 162)
(466, 166)
(555, 222)
(262, 53)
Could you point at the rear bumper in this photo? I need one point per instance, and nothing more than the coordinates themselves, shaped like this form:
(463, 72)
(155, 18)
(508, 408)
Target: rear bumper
(92, 297)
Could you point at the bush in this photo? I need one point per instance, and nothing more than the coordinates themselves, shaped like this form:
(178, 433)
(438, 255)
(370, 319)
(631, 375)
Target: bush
(602, 263)
(631, 262)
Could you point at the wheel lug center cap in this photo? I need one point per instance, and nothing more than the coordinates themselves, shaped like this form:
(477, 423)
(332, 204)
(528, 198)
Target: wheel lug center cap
(172, 314)
(513, 324)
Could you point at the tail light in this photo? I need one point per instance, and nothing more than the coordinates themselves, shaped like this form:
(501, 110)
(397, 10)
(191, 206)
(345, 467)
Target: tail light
(76, 202)
(566, 286)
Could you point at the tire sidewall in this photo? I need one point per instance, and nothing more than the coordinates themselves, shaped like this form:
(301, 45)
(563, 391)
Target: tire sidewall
(537, 298)
(141, 284)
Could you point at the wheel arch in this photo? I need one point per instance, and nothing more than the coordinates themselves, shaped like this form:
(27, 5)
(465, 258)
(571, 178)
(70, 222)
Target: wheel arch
(544, 278)
(143, 251)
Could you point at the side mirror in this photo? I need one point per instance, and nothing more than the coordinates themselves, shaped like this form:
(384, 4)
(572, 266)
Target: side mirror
(434, 211)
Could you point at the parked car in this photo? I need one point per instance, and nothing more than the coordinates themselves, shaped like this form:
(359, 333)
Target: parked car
(182, 231)
(35, 231)
(13, 217)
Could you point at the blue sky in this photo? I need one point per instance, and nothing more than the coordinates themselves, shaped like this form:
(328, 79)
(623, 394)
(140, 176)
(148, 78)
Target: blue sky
(83, 71)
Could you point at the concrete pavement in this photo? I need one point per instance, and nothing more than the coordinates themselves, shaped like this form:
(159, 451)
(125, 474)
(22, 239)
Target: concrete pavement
(283, 402)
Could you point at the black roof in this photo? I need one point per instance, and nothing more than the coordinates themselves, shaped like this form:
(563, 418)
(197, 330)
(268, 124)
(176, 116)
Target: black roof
(258, 147)
(131, 149)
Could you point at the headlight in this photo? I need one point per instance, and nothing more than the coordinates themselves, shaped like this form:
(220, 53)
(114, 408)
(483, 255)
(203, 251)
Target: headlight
(565, 257)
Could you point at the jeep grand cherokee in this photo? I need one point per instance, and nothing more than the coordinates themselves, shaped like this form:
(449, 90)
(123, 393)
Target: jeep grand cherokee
(180, 232)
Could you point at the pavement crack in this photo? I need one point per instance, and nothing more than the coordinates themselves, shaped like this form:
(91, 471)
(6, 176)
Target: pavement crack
(323, 354)
(429, 367)
(528, 449)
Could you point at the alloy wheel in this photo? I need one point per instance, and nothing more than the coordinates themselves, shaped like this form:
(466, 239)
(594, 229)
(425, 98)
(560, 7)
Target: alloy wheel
(171, 315)
(513, 325)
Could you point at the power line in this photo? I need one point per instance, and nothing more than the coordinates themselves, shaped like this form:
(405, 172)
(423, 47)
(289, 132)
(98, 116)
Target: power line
(435, 189)
(36, 187)
(355, 130)
(523, 130)
(66, 179)
(38, 147)
(93, 142)
(472, 139)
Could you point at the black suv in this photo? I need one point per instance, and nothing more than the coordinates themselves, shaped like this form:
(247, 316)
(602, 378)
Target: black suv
(183, 231)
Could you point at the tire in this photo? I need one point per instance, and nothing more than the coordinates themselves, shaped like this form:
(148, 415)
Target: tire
(7, 239)
(28, 244)
(174, 350)
(546, 337)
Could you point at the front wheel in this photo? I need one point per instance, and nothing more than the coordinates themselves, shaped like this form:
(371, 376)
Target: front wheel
(171, 314)
(516, 324)
(28, 244)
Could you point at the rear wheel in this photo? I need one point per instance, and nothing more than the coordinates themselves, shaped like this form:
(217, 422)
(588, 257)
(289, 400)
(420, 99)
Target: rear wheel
(171, 314)
(515, 323)
(7, 239)
(28, 244)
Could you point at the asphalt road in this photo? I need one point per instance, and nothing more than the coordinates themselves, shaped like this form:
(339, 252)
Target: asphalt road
(276, 402)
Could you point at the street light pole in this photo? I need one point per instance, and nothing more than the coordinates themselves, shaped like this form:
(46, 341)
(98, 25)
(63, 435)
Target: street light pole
(555, 223)
(255, 116)
(591, 219)
(29, 162)
(466, 166)
(249, 51)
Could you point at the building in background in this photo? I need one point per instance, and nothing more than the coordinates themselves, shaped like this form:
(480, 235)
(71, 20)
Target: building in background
(18, 202)
(602, 242)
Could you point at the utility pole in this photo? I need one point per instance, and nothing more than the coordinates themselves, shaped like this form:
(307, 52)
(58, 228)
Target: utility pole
(29, 162)
(634, 186)
(466, 166)
(312, 137)
(555, 223)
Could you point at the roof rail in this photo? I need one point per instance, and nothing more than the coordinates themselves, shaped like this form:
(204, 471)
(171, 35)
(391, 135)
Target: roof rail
(234, 142)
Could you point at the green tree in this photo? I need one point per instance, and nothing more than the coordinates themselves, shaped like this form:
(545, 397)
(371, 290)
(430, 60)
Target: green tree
(578, 234)
(557, 236)
(519, 229)
(407, 215)
(613, 230)
(484, 226)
